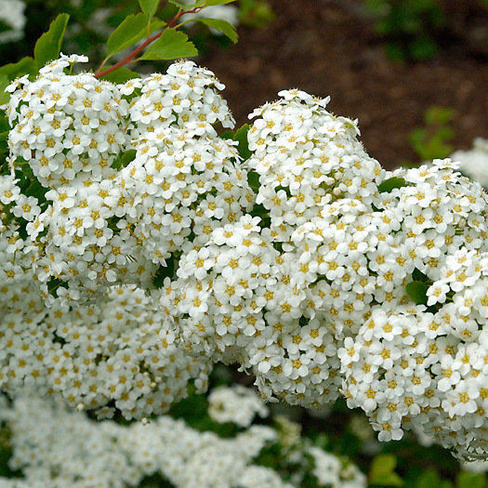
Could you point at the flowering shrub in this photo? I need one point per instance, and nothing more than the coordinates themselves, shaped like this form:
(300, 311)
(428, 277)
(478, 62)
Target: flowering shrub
(141, 244)
(48, 443)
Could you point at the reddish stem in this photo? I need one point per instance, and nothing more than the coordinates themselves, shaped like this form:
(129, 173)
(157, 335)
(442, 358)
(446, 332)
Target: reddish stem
(146, 43)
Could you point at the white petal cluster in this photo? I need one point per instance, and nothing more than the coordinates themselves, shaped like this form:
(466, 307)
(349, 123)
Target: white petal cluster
(179, 188)
(66, 127)
(130, 174)
(306, 158)
(186, 96)
(474, 162)
(235, 404)
(54, 447)
(317, 301)
(422, 367)
(121, 352)
(331, 471)
(334, 277)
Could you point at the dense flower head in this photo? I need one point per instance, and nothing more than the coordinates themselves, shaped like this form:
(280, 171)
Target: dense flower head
(120, 191)
(306, 158)
(121, 352)
(66, 127)
(180, 187)
(124, 281)
(236, 300)
(185, 96)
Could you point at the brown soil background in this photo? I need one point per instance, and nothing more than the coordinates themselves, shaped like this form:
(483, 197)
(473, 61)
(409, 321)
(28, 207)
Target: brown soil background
(329, 47)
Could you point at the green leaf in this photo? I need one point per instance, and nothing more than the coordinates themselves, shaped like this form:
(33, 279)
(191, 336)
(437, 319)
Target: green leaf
(4, 96)
(253, 181)
(438, 115)
(130, 31)
(25, 66)
(183, 6)
(428, 479)
(391, 183)
(417, 275)
(383, 464)
(199, 3)
(466, 479)
(121, 75)
(48, 46)
(241, 137)
(417, 291)
(210, 3)
(222, 26)
(171, 45)
(382, 471)
(124, 159)
(149, 7)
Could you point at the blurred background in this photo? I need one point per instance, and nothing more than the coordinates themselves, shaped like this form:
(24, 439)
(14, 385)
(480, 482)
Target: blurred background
(414, 72)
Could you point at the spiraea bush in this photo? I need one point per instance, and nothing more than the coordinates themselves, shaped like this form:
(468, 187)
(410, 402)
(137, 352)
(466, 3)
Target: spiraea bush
(144, 239)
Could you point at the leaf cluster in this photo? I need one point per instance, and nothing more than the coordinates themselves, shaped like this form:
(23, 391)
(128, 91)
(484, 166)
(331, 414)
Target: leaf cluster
(432, 140)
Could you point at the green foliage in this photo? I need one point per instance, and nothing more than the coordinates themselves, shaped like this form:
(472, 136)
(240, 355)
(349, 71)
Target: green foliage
(121, 75)
(392, 183)
(131, 31)
(465, 479)
(417, 291)
(26, 65)
(240, 135)
(48, 46)
(4, 82)
(172, 44)
(168, 271)
(222, 26)
(124, 159)
(431, 478)
(382, 471)
(255, 13)
(149, 7)
(410, 27)
(432, 140)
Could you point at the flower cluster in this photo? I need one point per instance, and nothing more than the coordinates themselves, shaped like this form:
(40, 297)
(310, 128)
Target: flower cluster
(130, 270)
(474, 162)
(55, 448)
(311, 297)
(236, 404)
(121, 352)
(421, 366)
(129, 174)
(306, 158)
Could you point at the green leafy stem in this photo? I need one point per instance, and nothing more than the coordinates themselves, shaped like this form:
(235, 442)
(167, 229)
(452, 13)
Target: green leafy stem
(166, 44)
